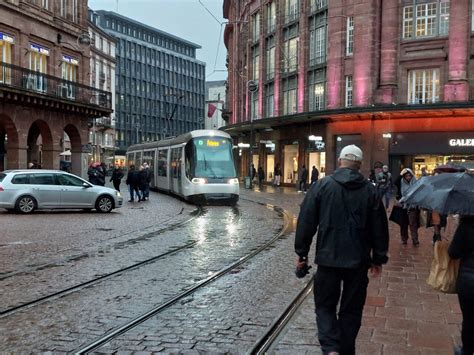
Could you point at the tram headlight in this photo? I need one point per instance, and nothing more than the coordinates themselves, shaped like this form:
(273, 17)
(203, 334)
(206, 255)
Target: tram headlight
(199, 181)
(233, 181)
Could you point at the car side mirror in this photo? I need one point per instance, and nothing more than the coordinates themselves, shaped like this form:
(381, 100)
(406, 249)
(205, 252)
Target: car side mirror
(86, 185)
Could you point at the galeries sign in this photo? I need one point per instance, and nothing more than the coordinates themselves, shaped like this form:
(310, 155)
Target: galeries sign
(461, 142)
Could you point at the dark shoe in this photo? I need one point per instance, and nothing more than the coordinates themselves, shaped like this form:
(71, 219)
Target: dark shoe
(404, 242)
(416, 243)
(131, 201)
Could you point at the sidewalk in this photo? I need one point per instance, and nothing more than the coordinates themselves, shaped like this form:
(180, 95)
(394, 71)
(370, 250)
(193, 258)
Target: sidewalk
(402, 315)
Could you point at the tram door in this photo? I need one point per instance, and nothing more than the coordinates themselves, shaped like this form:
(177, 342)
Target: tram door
(162, 167)
(176, 157)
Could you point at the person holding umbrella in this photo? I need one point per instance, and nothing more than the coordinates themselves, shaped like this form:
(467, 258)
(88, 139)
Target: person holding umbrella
(454, 194)
(438, 220)
(411, 217)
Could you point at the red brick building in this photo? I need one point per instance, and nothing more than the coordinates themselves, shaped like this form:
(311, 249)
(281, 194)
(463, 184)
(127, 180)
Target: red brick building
(44, 83)
(392, 76)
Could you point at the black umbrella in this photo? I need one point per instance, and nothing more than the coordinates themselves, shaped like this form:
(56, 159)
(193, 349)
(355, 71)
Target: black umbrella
(445, 193)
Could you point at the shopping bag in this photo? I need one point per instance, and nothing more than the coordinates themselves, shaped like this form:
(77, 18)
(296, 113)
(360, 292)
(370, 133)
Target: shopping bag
(399, 216)
(444, 270)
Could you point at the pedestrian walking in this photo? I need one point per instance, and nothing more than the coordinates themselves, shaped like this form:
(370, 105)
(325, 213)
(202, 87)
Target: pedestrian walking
(142, 178)
(277, 175)
(133, 183)
(314, 175)
(117, 176)
(96, 175)
(253, 172)
(261, 177)
(409, 217)
(148, 174)
(462, 247)
(303, 179)
(384, 183)
(352, 238)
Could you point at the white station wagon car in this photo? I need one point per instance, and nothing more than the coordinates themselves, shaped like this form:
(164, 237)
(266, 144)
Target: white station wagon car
(28, 190)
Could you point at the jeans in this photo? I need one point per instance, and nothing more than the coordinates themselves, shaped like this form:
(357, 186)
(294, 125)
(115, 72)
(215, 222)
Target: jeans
(277, 180)
(338, 331)
(413, 221)
(302, 183)
(386, 198)
(133, 189)
(146, 190)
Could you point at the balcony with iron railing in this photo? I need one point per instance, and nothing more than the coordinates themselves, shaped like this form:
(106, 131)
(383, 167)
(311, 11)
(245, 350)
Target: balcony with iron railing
(17, 81)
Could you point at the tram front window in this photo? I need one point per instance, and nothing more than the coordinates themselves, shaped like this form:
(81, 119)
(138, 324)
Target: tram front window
(210, 157)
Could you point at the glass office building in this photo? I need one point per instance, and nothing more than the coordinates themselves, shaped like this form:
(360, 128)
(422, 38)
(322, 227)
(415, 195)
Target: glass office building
(160, 85)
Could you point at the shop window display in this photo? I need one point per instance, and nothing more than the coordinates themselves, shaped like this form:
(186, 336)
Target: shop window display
(290, 167)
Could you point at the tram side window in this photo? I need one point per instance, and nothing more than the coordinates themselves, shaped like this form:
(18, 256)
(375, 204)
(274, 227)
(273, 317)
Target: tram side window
(180, 154)
(175, 162)
(138, 159)
(131, 159)
(149, 157)
(162, 162)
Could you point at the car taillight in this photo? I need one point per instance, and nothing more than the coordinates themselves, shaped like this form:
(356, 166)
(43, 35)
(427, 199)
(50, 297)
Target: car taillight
(1, 189)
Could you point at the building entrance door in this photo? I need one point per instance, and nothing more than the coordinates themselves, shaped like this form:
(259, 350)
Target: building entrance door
(270, 167)
(318, 160)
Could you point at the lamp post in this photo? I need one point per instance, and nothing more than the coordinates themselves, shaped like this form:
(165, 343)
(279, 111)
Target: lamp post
(137, 127)
(179, 97)
(252, 87)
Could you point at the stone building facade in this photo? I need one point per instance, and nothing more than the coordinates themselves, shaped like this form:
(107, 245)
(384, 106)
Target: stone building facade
(394, 77)
(102, 77)
(44, 83)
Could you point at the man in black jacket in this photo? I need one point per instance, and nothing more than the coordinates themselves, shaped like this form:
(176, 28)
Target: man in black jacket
(352, 238)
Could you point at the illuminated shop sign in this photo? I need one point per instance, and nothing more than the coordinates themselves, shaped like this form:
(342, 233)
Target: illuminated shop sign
(39, 49)
(461, 142)
(320, 145)
(70, 60)
(6, 38)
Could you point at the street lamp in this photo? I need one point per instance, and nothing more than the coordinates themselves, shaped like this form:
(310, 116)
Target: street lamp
(137, 127)
(252, 87)
(179, 97)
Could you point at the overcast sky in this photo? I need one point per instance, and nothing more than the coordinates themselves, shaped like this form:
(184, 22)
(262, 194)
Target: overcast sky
(187, 19)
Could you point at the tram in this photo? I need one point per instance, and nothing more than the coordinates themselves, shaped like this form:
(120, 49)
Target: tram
(198, 166)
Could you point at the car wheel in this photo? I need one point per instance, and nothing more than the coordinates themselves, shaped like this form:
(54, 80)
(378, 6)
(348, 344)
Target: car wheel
(25, 204)
(104, 204)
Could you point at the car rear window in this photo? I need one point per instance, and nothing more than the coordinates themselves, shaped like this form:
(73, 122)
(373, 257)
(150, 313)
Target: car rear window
(2, 176)
(20, 179)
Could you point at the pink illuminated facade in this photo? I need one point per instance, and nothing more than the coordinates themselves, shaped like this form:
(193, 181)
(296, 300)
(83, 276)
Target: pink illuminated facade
(374, 73)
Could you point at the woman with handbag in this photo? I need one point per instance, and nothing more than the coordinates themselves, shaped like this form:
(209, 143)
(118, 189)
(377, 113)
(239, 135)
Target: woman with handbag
(411, 216)
(462, 247)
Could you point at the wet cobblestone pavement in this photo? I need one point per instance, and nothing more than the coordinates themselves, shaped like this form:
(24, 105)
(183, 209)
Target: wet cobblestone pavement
(402, 314)
(223, 235)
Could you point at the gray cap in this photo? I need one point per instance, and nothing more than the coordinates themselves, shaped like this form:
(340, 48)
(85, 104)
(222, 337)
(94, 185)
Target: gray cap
(351, 152)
